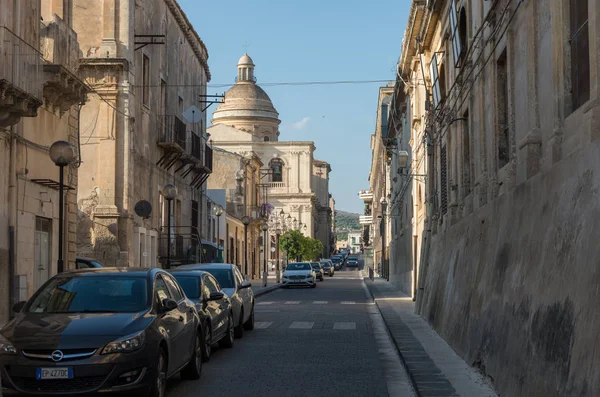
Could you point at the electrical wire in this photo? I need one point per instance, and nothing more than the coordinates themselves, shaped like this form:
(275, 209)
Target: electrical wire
(273, 84)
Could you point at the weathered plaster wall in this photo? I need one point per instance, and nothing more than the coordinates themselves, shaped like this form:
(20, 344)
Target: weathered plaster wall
(514, 287)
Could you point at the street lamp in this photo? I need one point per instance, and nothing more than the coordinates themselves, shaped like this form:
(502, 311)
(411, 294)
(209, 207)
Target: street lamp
(218, 211)
(278, 272)
(383, 229)
(62, 154)
(169, 192)
(264, 227)
(402, 158)
(246, 222)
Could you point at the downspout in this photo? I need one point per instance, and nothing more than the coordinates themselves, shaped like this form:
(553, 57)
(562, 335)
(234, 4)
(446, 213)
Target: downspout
(12, 219)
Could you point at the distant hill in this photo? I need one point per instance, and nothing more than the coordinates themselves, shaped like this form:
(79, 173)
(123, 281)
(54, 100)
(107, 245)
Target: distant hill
(346, 222)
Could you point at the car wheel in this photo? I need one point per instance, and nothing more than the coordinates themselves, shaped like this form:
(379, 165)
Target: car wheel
(207, 346)
(227, 340)
(249, 325)
(159, 384)
(238, 332)
(193, 370)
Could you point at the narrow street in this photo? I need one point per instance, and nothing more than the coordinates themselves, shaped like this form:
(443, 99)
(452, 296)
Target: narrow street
(307, 342)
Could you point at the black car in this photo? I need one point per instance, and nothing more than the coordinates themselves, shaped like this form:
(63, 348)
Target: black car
(213, 306)
(98, 331)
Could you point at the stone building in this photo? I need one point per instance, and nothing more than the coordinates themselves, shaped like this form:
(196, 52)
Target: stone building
(41, 96)
(248, 124)
(141, 131)
(238, 177)
(501, 102)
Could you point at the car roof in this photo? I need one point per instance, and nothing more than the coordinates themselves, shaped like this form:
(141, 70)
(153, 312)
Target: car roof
(113, 271)
(187, 272)
(293, 263)
(200, 266)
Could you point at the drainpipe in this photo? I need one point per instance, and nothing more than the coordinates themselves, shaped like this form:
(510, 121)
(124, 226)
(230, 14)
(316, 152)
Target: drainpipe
(12, 219)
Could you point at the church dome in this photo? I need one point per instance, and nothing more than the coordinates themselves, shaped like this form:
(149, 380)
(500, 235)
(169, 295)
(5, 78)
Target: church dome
(245, 101)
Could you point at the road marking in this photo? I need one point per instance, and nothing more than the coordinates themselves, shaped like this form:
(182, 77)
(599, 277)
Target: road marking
(265, 303)
(262, 324)
(344, 325)
(320, 302)
(348, 303)
(302, 325)
(292, 302)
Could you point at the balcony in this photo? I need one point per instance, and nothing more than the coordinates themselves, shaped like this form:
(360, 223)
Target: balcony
(20, 78)
(366, 195)
(203, 167)
(173, 134)
(62, 87)
(365, 219)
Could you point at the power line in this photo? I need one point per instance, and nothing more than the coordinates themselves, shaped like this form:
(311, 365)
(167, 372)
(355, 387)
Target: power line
(285, 83)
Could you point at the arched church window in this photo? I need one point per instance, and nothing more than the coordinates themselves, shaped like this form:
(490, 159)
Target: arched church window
(277, 169)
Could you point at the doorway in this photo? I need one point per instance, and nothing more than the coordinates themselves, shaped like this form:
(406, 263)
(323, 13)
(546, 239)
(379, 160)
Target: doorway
(43, 233)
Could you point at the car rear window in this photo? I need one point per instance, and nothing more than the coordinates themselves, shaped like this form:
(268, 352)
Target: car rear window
(190, 285)
(91, 294)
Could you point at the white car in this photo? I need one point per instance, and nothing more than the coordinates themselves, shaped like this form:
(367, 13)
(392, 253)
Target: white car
(300, 273)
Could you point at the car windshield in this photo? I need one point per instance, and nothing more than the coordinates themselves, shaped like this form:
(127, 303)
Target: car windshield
(223, 276)
(298, 266)
(91, 294)
(315, 266)
(190, 285)
(324, 263)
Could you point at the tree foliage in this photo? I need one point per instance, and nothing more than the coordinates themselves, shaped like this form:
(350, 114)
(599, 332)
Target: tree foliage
(299, 247)
(312, 249)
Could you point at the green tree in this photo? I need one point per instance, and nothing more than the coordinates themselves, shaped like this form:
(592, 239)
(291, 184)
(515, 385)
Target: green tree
(292, 242)
(312, 249)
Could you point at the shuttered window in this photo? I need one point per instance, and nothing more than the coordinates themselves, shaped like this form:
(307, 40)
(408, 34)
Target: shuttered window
(435, 81)
(444, 180)
(456, 45)
(580, 52)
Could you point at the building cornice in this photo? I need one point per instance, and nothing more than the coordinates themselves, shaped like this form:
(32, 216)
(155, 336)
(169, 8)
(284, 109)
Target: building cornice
(191, 35)
(409, 48)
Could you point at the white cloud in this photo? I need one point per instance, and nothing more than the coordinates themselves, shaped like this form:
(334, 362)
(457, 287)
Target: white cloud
(301, 124)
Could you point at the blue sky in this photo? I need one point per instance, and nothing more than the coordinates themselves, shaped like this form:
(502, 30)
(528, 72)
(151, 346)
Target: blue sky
(310, 40)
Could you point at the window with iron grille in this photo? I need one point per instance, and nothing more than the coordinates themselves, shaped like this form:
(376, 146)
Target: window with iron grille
(579, 39)
(444, 180)
(194, 215)
(502, 110)
(146, 81)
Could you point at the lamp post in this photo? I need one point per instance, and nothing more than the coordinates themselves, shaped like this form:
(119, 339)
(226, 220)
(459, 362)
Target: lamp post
(264, 227)
(62, 154)
(246, 222)
(278, 272)
(169, 192)
(384, 265)
(218, 211)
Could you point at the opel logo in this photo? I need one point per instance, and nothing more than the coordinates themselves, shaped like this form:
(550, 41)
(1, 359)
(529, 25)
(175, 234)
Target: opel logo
(57, 355)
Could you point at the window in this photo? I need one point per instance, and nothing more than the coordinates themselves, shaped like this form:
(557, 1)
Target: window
(146, 81)
(163, 97)
(223, 276)
(190, 285)
(580, 52)
(238, 276)
(277, 168)
(466, 146)
(456, 44)
(161, 292)
(435, 81)
(194, 216)
(266, 139)
(211, 284)
(502, 110)
(176, 292)
(444, 180)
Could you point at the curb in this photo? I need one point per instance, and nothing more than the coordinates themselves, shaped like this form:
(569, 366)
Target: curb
(266, 290)
(389, 332)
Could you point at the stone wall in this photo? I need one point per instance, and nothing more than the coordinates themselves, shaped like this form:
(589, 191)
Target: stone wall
(514, 287)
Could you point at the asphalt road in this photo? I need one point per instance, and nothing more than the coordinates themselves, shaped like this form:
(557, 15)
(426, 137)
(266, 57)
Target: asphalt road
(307, 342)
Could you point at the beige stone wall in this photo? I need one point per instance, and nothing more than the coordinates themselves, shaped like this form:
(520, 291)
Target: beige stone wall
(510, 280)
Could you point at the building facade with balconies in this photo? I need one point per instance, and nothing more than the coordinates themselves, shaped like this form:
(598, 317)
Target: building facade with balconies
(41, 93)
(140, 131)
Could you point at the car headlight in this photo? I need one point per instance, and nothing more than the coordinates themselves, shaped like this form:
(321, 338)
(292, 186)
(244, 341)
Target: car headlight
(126, 344)
(6, 348)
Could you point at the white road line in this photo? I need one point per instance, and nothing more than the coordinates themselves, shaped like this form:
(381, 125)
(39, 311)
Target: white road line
(348, 303)
(262, 324)
(344, 325)
(320, 302)
(301, 325)
(265, 303)
(292, 302)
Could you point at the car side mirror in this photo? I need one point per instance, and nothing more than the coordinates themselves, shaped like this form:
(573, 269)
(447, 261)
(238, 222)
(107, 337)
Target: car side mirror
(168, 305)
(245, 284)
(17, 307)
(216, 296)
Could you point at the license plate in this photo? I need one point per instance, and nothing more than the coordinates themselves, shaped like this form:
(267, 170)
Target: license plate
(54, 373)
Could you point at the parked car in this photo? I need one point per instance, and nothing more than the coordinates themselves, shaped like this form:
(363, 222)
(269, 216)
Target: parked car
(299, 273)
(237, 287)
(95, 331)
(87, 263)
(328, 267)
(213, 305)
(319, 272)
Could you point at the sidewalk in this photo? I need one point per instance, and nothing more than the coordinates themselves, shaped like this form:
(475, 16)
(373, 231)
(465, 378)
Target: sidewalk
(259, 290)
(433, 366)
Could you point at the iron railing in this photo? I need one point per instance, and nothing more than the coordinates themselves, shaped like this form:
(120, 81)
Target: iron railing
(174, 131)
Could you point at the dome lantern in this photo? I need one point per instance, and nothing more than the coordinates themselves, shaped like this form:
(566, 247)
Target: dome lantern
(246, 70)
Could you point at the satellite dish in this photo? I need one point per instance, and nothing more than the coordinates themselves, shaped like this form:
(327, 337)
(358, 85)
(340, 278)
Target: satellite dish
(193, 115)
(143, 208)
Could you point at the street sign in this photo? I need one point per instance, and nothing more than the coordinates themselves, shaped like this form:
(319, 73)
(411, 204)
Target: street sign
(273, 249)
(143, 209)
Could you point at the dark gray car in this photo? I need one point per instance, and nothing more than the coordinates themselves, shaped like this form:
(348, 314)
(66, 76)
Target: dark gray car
(84, 332)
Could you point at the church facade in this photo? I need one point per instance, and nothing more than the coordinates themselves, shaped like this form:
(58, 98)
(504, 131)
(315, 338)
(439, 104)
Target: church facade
(291, 179)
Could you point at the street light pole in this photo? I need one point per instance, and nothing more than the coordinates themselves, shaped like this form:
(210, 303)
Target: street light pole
(383, 230)
(62, 154)
(218, 210)
(264, 227)
(278, 272)
(246, 222)
(169, 192)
